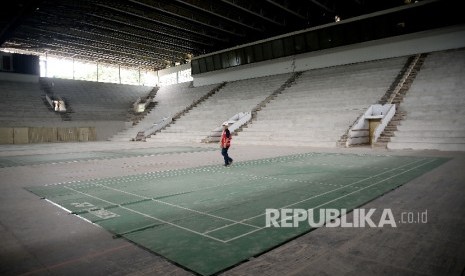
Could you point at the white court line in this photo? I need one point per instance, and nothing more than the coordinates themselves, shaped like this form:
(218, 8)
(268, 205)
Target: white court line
(145, 215)
(330, 191)
(69, 211)
(177, 206)
(250, 232)
(369, 185)
(59, 206)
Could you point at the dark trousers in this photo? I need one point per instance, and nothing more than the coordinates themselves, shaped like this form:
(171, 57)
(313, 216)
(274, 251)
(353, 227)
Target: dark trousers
(227, 159)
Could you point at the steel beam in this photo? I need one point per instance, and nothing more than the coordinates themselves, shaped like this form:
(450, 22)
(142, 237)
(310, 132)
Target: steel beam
(296, 14)
(193, 20)
(215, 13)
(319, 4)
(235, 4)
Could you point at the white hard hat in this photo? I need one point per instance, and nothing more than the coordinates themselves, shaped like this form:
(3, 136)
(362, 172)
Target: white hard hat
(225, 124)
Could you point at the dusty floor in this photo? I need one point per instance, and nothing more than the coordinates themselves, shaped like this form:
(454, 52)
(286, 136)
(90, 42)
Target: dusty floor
(39, 238)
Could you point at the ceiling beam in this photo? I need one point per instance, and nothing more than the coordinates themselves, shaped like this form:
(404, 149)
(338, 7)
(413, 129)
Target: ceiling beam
(161, 52)
(138, 18)
(131, 40)
(284, 8)
(325, 7)
(210, 11)
(88, 55)
(260, 14)
(185, 37)
(98, 47)
(153, 20)
(97, 23)
(155, 42)
(193, 19)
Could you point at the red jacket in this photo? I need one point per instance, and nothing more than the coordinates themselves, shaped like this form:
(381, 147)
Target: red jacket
(226, 139)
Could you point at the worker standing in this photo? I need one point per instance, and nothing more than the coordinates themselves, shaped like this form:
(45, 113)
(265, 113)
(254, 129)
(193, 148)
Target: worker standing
(225, 143)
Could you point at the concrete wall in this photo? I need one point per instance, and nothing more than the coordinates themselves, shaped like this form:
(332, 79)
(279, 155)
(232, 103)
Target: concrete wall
(101, 131)
(172, 70)
(30, 135)
(6, 135)
(21, 135)
(421, 42)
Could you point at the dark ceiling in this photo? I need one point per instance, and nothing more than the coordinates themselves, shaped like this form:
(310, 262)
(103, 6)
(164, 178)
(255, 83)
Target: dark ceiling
(154, 33)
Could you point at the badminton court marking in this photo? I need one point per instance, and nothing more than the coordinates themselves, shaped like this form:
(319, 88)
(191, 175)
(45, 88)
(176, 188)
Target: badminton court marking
(257, 228)
(333, 190)
(356, 191)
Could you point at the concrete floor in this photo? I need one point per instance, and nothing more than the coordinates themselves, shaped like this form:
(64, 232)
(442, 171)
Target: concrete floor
(39, 238)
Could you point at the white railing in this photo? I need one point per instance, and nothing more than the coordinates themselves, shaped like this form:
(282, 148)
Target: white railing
(140, 106)
(390, 111)
(234, 122)
(50, 102)
(57, 105)
(156, 126)
(359, 132)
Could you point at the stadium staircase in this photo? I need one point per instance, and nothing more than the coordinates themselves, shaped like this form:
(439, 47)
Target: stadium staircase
(234, 97)
(47, 89)
(434, 117)
(397, 97)
(135, 118)
(393, 95)
(181, 113)
(321, 104)
(170, 103)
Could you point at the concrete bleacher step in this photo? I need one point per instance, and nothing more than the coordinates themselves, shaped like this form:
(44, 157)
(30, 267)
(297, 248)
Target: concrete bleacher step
(327, 123)
(427, 146)
(171, 100)
(432, 133)
(434, 106)
(305, 136)
(439, 111)
(432, 140)
(432, 124)
(387, 134)
(432, 116)
(190, 139)
(181, 134)
(321, 105)
(98, 101)
(14, 107)
(235, 97)
(287, 142)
